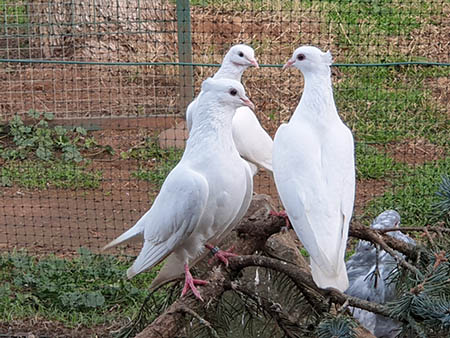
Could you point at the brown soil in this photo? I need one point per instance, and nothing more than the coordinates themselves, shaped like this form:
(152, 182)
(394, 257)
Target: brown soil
(60, 221)
(40, 328)
(415, 152)
(440, 89)
(366, 190)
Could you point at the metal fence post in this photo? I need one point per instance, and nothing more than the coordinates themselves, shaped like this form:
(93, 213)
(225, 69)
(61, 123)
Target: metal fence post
(185, 53)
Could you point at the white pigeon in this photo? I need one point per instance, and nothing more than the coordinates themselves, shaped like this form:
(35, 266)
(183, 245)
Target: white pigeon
(208, 191)
(314, 170)
(251, 140)
(367, 285)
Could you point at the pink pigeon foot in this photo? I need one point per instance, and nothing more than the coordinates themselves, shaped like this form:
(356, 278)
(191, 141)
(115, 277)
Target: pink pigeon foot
(189, 283)
(285, 216)
(222, 255)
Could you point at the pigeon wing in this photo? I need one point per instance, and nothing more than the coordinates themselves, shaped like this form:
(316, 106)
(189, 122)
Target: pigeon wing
(251, 140)
(174, 215)
(313, 208)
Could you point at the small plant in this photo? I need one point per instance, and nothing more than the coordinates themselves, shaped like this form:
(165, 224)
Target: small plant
(161, 161)
(44, 142)
(39, 139)
(42, 175)
(89, 289)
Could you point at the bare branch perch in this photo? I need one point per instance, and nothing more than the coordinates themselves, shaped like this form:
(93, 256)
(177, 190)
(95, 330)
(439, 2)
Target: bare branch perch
(376, 236)
(251, 236)
(410, 229)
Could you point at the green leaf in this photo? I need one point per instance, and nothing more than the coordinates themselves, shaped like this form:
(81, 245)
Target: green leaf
(60, 131)
(5, 181)
(44, 153)
(71, 153)
(34, 114)
(109, 150)
(81, 130)
(94, 299)
(90, 142)
(42, 124)
(49, 116)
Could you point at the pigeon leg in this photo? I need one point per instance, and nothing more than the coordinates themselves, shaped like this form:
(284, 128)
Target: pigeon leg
(189, 283)
(285, 216)
(222, 255)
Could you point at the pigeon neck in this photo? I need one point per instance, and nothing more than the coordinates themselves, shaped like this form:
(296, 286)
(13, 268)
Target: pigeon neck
(317, 96)
(211, 126)
(230, 70)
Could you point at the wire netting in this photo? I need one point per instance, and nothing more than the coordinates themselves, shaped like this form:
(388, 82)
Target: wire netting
(125, 70)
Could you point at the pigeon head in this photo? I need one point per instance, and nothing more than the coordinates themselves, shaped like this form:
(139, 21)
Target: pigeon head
(226, 92)
(309, 59)
(387, 219)
(241, 55)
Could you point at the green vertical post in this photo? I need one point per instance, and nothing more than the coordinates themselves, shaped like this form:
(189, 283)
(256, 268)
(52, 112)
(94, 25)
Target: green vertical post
(185, 53)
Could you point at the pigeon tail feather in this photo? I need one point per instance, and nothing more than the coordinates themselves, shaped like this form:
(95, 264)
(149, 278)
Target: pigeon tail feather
(125, 237)
(328, 279)
(149, 256)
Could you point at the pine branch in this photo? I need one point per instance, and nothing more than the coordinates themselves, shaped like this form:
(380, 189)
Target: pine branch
(303, 279)
(201, 320)
(284, 320)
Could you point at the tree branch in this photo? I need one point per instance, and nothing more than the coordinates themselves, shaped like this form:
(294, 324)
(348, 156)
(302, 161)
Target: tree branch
(303, 279)
(250, 236)
(385, 241)
(409, 229)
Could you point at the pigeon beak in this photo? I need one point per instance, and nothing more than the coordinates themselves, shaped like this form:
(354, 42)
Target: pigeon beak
(288, 64)
(254, 63)
(248, 103)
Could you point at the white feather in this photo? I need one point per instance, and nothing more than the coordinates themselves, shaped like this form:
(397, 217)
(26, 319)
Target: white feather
(205, 195)
(313, 161)
(252, 141)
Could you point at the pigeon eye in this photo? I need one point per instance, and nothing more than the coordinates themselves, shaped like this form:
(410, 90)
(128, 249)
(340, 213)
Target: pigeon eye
(241, 54)
(233, 92)
(301, 57)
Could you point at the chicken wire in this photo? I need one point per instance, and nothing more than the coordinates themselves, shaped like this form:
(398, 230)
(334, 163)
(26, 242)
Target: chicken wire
(126, 69)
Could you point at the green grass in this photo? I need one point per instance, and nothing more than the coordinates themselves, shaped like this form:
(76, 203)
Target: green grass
(384, 17)
(255, 5)
(391, 104)
(374, 164)
(12, 12)
(43, 175)
(162, 161)
(413, 193)
(364, 28)
(87, 290)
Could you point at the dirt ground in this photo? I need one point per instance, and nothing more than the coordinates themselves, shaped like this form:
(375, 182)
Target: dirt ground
(61, 220)
(40, 328)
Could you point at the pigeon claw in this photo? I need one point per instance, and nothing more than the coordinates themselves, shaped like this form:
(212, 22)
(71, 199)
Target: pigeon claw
(190, 283)
(224, 255)
(221, 255)
(285, 216)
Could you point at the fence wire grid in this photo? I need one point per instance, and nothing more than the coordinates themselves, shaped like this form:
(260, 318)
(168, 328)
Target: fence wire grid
(124, 71)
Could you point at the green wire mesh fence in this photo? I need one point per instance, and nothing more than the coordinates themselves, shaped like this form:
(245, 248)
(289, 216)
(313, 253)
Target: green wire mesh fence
(124, 71)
